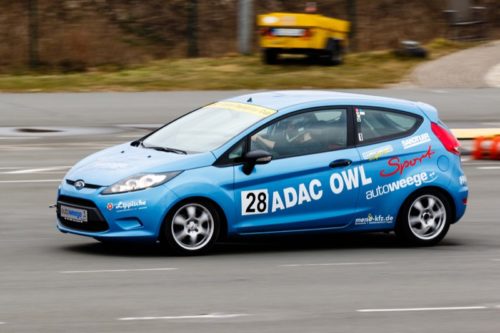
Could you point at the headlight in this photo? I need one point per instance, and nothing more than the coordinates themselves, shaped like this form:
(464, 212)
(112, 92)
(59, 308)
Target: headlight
(140, 182)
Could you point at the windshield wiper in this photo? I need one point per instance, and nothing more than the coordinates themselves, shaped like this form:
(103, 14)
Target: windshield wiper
(165, 149)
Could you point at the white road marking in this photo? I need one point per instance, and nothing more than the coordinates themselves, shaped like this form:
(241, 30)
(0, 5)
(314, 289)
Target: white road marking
(448, 308)
(2, 322)
(489, 168)
(19, 137)
(37, 170)
(205, 316)
(337, 264)
(29, 181)
(120, 270)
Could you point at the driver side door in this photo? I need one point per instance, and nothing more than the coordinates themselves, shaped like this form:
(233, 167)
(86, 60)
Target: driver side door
(313, 180)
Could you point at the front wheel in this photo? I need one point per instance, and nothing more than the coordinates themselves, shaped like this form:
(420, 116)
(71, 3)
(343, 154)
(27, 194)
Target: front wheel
(192, 228)
(424, 219)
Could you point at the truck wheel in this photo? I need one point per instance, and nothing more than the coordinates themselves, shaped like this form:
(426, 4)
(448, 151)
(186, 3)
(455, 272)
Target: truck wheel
(334, 54)
(337, 57)
(270, 56)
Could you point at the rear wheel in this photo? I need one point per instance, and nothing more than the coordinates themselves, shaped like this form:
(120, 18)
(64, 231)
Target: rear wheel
(334, 53)
(192, 227)
(337, 56)
(424, 219)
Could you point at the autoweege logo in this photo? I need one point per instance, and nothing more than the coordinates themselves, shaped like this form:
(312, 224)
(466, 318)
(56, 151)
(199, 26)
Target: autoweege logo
(398, 166)
(109, 206)
(416, 180)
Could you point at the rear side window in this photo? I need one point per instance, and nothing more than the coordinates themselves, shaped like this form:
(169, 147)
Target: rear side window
(379, 125)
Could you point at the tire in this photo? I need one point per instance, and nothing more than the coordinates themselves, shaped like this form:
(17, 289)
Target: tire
(192, 227)
(424, 219)
(337, 57)
(270, 56)
(334, 54)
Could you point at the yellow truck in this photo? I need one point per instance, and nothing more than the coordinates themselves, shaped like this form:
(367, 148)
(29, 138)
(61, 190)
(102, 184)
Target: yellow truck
(317, 36)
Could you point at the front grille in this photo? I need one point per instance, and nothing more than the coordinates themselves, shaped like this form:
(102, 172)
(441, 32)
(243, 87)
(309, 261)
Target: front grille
(92, 186)
(96, 221)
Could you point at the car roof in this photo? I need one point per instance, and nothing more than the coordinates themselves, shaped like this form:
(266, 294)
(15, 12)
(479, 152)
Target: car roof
(283, 99)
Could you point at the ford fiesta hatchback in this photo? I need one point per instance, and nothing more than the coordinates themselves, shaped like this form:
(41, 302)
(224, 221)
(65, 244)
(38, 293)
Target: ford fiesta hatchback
(273, 163)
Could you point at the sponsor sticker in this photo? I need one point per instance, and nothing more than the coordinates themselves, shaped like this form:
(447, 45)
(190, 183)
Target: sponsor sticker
(377, 153)
(126, 206)
(415, 140)
(415, 181)
(260, 201)
(358, 115)
(398, 166)
(374, 219)
(462, 180)
(241, 107)
(254, 202)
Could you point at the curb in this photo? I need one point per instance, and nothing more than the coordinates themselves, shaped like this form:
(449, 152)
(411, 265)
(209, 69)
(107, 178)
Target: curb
(472, 133)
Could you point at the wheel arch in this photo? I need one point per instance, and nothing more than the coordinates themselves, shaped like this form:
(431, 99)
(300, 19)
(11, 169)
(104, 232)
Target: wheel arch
(333, 44)
(432, 189)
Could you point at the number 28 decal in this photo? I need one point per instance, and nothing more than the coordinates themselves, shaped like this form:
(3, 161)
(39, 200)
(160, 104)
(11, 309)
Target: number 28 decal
(254, 202)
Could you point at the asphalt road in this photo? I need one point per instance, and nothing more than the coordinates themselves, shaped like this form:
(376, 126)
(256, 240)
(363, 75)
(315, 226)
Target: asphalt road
(51, 282)
(109, 109)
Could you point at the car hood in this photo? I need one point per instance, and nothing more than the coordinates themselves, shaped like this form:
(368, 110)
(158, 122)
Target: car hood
(116, 163)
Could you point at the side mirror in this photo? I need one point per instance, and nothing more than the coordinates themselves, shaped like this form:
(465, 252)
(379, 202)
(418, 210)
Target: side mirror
(254, 157)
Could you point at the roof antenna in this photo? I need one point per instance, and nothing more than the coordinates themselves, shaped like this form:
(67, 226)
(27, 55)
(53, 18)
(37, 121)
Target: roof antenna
(249, 100)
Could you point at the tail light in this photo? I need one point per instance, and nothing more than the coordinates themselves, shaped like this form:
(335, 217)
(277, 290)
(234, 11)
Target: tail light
(266, 32)
(307, 33)
(447, 138)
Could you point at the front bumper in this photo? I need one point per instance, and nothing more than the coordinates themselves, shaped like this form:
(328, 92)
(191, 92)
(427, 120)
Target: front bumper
(134, 215)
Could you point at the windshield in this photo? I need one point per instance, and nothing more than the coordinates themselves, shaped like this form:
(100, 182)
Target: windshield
(207, 128)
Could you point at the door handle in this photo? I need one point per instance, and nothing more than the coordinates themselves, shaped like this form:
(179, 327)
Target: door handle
(340, 163)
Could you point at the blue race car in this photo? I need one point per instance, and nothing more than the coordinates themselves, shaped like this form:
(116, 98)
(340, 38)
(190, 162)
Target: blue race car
(273, 163)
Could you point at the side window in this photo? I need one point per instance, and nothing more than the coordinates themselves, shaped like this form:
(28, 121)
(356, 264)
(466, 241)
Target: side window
(237, 152)
(377, 125)
(305, 133)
